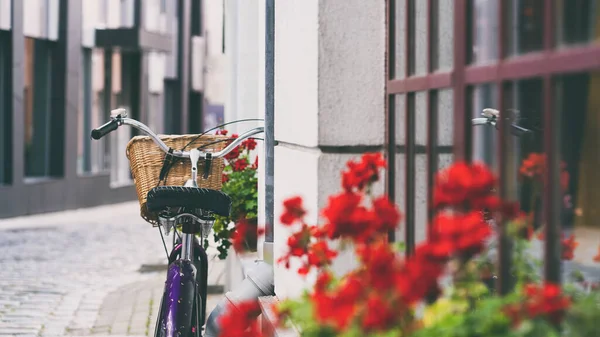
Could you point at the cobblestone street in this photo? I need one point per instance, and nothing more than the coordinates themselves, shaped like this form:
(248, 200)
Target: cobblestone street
(77, 273)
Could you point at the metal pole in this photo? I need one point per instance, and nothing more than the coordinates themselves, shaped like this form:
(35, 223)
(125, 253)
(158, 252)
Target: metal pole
(269, 117)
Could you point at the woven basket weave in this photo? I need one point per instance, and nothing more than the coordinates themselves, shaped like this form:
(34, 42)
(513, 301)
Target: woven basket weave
(146, 161)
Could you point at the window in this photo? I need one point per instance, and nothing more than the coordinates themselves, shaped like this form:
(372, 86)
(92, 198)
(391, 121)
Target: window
(37, 99)
(539, 66)
(92, 156)
(5, 110)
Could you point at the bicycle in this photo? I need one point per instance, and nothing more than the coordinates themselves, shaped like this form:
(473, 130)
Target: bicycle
(183, 305)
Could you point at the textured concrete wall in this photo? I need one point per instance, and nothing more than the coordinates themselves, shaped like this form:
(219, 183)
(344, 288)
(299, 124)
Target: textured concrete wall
(329, 91)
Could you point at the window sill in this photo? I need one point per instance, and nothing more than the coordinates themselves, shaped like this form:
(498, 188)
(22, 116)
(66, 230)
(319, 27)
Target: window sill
(121, 184)
(93, 174)
(40, 180)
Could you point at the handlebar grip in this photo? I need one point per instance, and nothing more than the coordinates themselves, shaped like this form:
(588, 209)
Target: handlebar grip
(105, 129)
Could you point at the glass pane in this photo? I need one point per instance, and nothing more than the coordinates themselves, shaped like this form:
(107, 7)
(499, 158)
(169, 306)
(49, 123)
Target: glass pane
(420, 198)
(485, 31)
(420, 39)
(5, 112)
(445, 118)
(577, 21)
(443, 58)
(400, 115)
(5, 11)
(92, 156)
(421, 118)
(524, 26)
(400, 183)
(400, 39)
(444, 160)
(524, 109)
(400, 187)
(578, 103)
(40, 19)
(485, 139)
(37, 98)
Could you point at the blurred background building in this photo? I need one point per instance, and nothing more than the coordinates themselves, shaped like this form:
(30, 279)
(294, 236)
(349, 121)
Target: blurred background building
(64, 64)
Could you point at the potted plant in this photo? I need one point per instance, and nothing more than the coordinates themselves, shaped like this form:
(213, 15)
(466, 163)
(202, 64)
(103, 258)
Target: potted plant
(240, 182)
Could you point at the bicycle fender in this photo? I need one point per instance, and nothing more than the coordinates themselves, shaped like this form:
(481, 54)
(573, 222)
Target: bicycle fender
(176, 314)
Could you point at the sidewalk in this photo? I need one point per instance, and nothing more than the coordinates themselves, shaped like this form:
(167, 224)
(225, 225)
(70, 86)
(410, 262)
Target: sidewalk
(132, 310)
(83, 272)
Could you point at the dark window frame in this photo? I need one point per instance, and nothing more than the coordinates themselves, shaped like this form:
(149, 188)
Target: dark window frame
(546, 64)
(5, 109)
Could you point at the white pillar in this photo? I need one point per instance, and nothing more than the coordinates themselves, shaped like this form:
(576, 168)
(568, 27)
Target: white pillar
(329, 92)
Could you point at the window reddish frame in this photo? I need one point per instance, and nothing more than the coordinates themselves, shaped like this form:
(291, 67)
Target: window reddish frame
(542, 64)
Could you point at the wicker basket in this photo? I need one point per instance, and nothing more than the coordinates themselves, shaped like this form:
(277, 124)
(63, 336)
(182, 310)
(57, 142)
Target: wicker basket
(146, 161)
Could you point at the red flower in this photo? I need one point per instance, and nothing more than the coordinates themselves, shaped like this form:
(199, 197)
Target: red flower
(338, 308)
(255, 165)
(320, 255)
(540, 301)
(379, 259)
(293, 211)
(458, 234)
(597, 257)
(240, 165)
(222, 132)
(546, 301)
(387, 215)
(242, 228)
(347, 219)
(235, 153)
(380, 314)
(418, 277)
(465, 184)
(568, 247)
(535, 167)
(224, 178)
(249, 144)
(363, 173)
(240, 320)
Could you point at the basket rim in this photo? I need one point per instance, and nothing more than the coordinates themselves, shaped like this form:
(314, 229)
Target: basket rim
(144, 139)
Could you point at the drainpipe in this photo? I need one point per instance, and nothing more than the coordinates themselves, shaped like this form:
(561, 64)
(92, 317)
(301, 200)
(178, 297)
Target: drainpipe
(258, 282)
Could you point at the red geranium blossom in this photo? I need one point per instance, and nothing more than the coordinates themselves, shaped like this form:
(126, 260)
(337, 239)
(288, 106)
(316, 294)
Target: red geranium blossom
(363, 173)
(240, 320)
(458, 234)
(337, 308)
(465, 184)
(293, 211)
(535, 167)
(380, 314)
(597, 257)
(249, 144)
(346, 218)
(242, 228)
(235, 153)
(540, 301)
(240, 165)
(568, 247)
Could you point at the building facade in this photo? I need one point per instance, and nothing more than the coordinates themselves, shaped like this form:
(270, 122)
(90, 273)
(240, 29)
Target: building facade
(65, 64)
(405, 77)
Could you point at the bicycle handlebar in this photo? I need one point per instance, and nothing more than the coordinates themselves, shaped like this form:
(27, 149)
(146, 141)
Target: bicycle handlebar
(119, 117)
(491, 117)
(104, 129)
